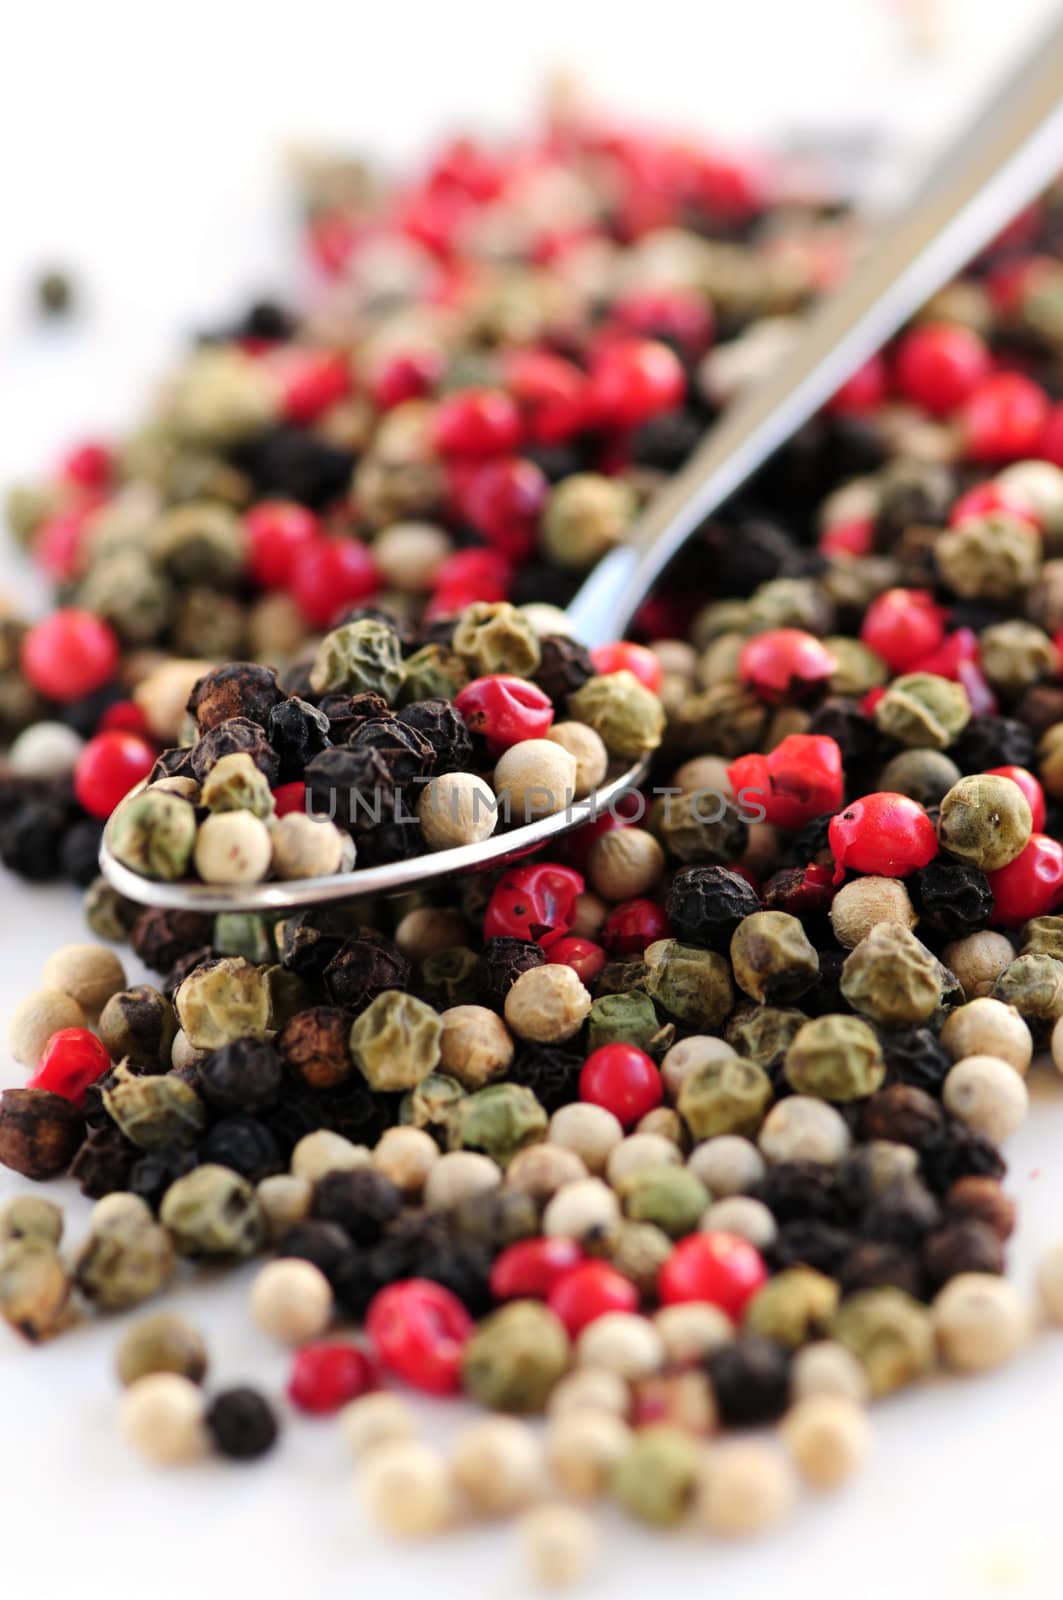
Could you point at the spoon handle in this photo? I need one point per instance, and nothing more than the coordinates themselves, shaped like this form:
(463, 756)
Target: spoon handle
(1013, 147)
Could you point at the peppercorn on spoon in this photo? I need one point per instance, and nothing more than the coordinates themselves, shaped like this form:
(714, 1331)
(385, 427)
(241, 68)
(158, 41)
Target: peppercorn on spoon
(1011, 149)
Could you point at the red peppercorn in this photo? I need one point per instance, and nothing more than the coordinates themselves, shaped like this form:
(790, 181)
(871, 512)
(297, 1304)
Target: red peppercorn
(1004, 418)
(800, 779)
(682, 316)
(720, 1268)
(476, 422)
(536, 902)
(88, 464)
(865, 391)
(72, 1059)
(289, 797)
(311, 381)
(887, 835)
(530, 1268)
(634, 379)
(1029, 886)
(124, 716)
(504, 710)
(551, 395)
(405, 375)
(938, 365)
(584, 957)
(623, 1079)
(1031, 788)
(503, 500)
(326, 1375)
(70, 654)
(903, 625)
(985, 498)
(632, 926)
(278, 532)
(1051, 445)
(623, 656)
(330, 576)
(108, 767)
(417, 1330)
(588, 1292)
(58, 541)
(784, 664)
(854, 537)
(467, 576)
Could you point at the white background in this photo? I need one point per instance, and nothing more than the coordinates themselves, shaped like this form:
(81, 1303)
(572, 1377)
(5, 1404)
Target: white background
(141, 147)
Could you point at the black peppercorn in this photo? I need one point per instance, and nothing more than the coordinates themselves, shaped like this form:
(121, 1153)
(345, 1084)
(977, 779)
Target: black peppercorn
(876, 1265)
(152, 1173)
(175, 763)
(353, 787)
(901, 1114)
(241, 1424)
(347, 712)
(425, 1248)
(325, 1244)
(954, 1151)
(952, 898)
(244, 1144)
(399, 840)
(361, 1202)
(239, 689)
(502, 960)
(236, 736)
(103, 1162)
(297, 732)
(495, 1220)
(742, 558)
(750, 1379)
(31, 839)
(799, 1191)
(901, 1214)
(844, 722)
(539, 582)
(39, 1132)
(183, 967)
(666, 440)
(314, 1046)
(443, 727)
(811, 844)
(706, 904)
(310, 939)
(988, 742)
(160, 938)
(407, 754)
(917, 1057)
(244, 1075)
(564, 666)
(364, 966)
(550, 1073)
(965, 1245)
(295, 464)
(810, 1244)
(79, 852)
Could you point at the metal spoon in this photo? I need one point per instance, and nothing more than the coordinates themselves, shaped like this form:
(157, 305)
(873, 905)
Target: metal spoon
(1010, 151)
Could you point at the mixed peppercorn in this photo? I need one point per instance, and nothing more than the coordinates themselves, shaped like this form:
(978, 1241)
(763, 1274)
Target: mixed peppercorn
(689, 1125)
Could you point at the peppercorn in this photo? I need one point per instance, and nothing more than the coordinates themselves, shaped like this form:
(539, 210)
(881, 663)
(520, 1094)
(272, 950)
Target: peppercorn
(750, 1380)
(362, 1202)
(953, 899)
(763, 1033)
(34, 1289)
(799, 1128)
(706, 904)
(139, 1025)
(629, 718)
(772, 957)
(793, 1308)
(39, 1132)
(728, 1096)
(991, 741)
(161, 938)
(890, 1333)
(915, 1057)
(962, 1246)
(892, 978)
(362, 968)
(1032, 985)
(698, 828)
(693, 985)
(241, 1424)
(835, 1058)
(124, 1262)
(213, 1211)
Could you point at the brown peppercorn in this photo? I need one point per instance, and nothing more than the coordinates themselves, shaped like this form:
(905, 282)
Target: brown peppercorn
(564, 666)
(39, 1132)
(161, 938)
(902, 1114)
(983, 1200)
(962, 1246)
(240, 689)
(315, 1046)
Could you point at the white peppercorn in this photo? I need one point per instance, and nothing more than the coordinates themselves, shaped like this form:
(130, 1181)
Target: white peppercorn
(988, 1027)
(587, 749)
(375, 1419)
(456, 808)
(828, 1368)
(828, 1438)
(475, 1046)
(860, 905)
(582, 1447)
(666, 1123)
(547, 1004)
(988, 1095)
(691, 1331)
(161, 1416)
(36, 1018)
(980, 1322)
(325, 1151)
(408, 1488)
(558, 1542)
(46, 750)
(687, 1056)
(741, 1214)
(427, 930)
(406, 1156)
(640, 1150)
(409, 554)
(542, 1169)
(88, 973)
(305, 847)
(622, 1342)
(588, 915)
(232, 847)
(582, 1208)
(802, 1129)
(291, 1300)
(748, 1487)
(591, 1131)
(590, 1389)
(497, 1465)
(535, 778)
(625, 863)
(727, 1164)
(285, 1200)
(978, 960)
(460, 1175)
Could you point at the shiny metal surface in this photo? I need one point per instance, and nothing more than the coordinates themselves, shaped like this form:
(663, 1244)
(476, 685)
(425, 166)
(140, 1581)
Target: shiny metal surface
(1014, 148)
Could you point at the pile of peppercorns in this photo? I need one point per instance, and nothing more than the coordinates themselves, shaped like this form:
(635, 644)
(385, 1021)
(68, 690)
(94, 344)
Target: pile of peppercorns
(690, 1125)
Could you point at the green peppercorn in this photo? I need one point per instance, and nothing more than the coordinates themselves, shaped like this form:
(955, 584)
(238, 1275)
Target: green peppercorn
(212, 1211)
(219, 395)
(924, 710)
(1016, 654)
(793, 1308)
(586, 515)
(657, 1477)
(156, 1111)
(1043, 936)
(125, 1261)
(624, 1019)
(433, 673)
(132, 595)
(892, 978)
(434, 1104)
(514, 1358)
(985, 821)
(772, 957)
(763, 1033)
(108, 914)
(154, 833)
(241, 933)
(923, 775)
(856, 668)
(30, 1216)
(500, 1120)
(201, 542)
(725, 1096)
(639, 1250)
(449, 978)
(629, 719)
(34, 1289)
(234, 783)
(691, 984)
(699, 829)
(673, 1198)
(1033, 984)
(138, 1025)
(224, 1000)
(835, 1058)
(396, 1041)
(161, 1343)
(727, 719)
(993, 557)
(493, 636)
(889, 1332)
(357, 658)
(790, 603)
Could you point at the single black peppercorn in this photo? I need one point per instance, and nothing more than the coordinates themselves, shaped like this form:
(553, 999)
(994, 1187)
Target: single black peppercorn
(325, 1244)
(954, 1151)
(443, 727)
(877, 1265)
(901, 1214)
(152, 1173)
(364, 966)
(244, 1144)
(241, 1424)
(952, 898)
(742, 558)
(297, 732)
(362, 1202)
(811, 844)
(550, 1073)
(989, 742)
(160, 938)
(175, 763)
(666, 440)
(706, 904)
(564, 666)
(347, 712)
(917, 1057)
(103, 1162)
(855, 734)
(295, 464)
(964, 1245)
(31, 840)
(79, 852)
(400, 840)
(245, 1075)
(502, 960)
(236, 736)
(901, 1114)
(750, 1380)
(240, 689)
(810, 1244)
(407, 754)
(800, 1191)
(353, 787)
